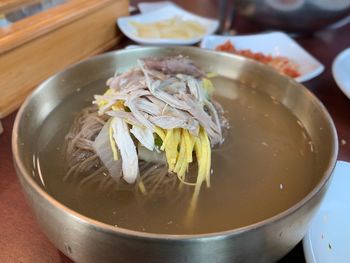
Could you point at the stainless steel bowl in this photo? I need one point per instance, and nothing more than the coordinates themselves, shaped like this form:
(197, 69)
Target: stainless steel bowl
(86, 240)
(294, 15)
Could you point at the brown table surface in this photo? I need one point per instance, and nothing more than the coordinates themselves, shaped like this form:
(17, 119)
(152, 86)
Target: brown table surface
(20, 237)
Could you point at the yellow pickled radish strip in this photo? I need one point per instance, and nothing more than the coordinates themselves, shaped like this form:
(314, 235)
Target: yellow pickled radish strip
(181, 157)
(183, 169)
(203, 163)
(167, 139)
(207, 179)
(185, 144)
(142, 187)
(202, 154)
(208, 158)
(202, 148)
(198, 149)
(184, 182)
(208, 85)
(189, 145)
(198, 152)
(211, 75)
(160, 132)
(171, 152)
(104, 102)
(119, 105)
(112, 142)
(109, 91)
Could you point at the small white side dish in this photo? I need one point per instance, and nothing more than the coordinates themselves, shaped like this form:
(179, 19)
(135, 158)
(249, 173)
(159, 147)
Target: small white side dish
(160, 14)
(328, 238)
(341, 71)
(146, 7)
(132, 46)
(276, 44)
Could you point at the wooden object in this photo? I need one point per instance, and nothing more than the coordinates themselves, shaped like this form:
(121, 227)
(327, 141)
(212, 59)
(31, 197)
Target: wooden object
(8, 5)
(37, 47)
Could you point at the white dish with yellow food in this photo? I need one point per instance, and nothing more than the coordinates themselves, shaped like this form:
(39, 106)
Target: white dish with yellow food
(169, 25)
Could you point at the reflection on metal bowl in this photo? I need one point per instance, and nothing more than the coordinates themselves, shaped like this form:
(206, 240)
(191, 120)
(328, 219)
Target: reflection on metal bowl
(86, 240)
(294, 15)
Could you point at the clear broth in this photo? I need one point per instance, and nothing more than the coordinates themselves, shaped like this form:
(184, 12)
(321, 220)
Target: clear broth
(266, 164)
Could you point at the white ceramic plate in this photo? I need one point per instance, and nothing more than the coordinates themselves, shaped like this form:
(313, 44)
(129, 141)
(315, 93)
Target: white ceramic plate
(341, 71)
(277, 44)
(164, 13)
(328, 238)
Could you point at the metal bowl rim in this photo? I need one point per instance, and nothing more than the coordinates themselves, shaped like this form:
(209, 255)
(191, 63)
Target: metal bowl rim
(103, 227)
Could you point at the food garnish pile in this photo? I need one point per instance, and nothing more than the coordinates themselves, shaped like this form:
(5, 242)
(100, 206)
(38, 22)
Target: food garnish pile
(160, 111)
(282, 64)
